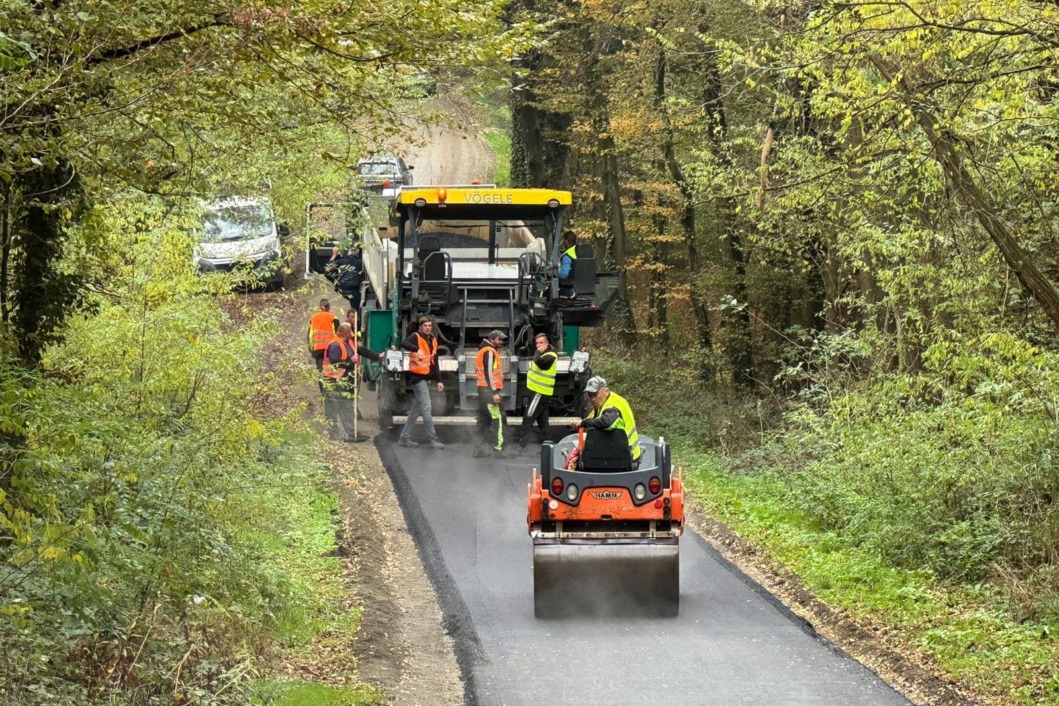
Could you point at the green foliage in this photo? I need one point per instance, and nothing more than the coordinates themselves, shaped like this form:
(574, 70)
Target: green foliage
(500, 141)
(158, 534)
(950, 470)
(967, 628)
(300, 694)
(196, 99)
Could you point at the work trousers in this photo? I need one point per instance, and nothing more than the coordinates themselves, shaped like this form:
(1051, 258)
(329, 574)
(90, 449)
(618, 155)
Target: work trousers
(491, 420)
(537, 414)
(353, 296)
(420, 408)
(341, 413)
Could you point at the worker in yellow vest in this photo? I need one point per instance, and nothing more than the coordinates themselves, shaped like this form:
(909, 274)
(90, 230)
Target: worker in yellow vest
(540, 381)
(566, 264)
(610, 411)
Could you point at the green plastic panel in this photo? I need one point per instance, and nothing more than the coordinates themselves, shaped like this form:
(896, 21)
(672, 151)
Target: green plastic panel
(571, 339)
(380, 329)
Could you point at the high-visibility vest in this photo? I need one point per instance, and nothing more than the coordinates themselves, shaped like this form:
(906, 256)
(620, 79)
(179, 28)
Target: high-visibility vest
(321, 329)
(542, 381)
(336, 371)
(496, 374)
(572, 253)
(419, 361)
(624, 421)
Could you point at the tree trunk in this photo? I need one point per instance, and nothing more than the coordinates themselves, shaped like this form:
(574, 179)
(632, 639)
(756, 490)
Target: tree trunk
(43, 294)
(610, 181)
(687, 220)
(527, 142)
(5, 254)
(659, 309)
(739, 343)
(1021, 262)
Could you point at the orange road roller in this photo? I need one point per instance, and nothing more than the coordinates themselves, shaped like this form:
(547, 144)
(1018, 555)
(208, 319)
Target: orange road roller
(605, 529)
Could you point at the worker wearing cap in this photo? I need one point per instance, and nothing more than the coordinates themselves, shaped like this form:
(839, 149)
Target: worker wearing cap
(609, 411)
(348, 272)
(490, 374)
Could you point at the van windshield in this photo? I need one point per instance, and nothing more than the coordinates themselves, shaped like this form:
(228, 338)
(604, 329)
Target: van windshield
(377, 168)
(243, 222)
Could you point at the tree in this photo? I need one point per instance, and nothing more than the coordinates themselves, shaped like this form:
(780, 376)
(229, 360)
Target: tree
(102, 96)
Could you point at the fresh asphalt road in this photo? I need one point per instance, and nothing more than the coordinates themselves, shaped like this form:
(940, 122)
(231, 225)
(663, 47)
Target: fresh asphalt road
(731, 644)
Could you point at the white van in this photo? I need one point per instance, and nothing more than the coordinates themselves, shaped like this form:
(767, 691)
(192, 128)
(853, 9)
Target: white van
(240, 235)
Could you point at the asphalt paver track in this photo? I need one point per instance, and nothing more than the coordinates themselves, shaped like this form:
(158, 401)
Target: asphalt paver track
(732, 643)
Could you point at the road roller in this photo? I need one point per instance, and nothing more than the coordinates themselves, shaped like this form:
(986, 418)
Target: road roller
(605, 530)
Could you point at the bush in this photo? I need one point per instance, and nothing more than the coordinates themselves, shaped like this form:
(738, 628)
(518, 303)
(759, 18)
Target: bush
(143, 502)
(951, 469)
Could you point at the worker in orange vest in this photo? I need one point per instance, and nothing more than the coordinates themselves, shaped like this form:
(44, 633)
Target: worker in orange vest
(322, 328)
(422, 347)
(490, 373)
(339, 383)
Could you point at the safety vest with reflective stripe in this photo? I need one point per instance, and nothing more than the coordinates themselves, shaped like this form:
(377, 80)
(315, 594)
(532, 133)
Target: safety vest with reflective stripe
(419, 361)
(571, 253)
(542, 381)
(624, 421)
(321, 329)
(336, 371)
(497, 373)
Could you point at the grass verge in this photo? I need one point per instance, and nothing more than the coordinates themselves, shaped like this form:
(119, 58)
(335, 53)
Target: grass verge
(296, 693)
(318, 629)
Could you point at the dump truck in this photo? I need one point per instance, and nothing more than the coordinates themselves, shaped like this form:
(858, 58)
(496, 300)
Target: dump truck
(605, 531)
(477, 258)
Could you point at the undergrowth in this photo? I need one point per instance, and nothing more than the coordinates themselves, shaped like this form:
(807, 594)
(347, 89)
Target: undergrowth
(160, 542)
(925, 501)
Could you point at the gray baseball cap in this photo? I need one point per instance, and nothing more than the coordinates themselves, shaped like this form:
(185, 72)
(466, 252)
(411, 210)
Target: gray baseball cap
(496, 333)
(594, 384)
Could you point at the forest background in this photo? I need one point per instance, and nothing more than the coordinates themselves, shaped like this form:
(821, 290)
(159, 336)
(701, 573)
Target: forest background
(835, 222)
